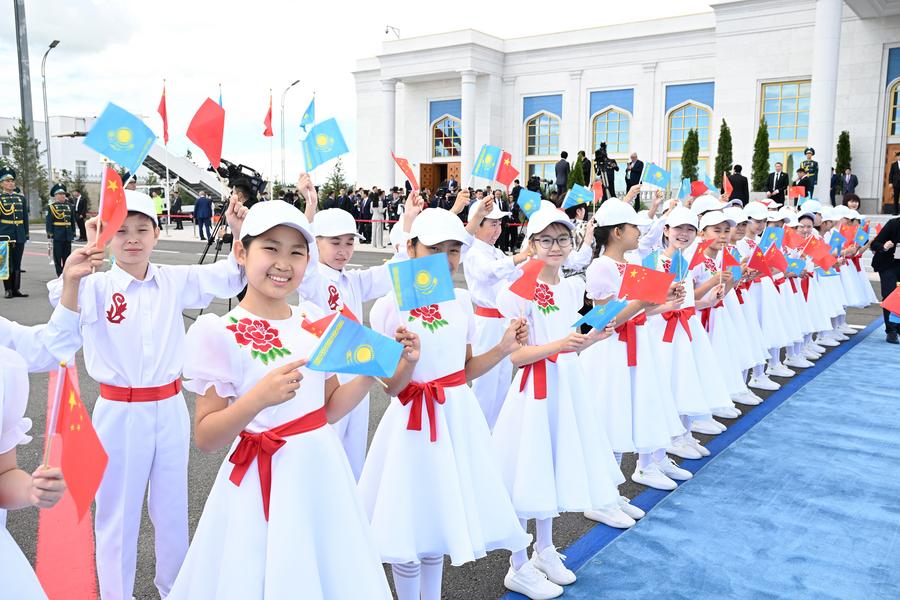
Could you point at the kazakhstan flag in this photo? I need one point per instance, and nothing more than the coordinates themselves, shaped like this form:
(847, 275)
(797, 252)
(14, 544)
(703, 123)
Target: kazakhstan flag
(600, 316)
(121, 137)
(487, 163)
(348, 347)
(685, 190)
(656, 176)
(422, 281)
(771, 235)
(309, 117)
(577, 195)
(323, 143)
(529, 202)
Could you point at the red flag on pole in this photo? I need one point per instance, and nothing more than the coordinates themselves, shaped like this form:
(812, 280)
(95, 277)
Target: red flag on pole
(698, 188)
(792, 239)
(727, 183)
(113, 209)
(268, 120)
(796, 191)
(892, 302)
(649, 285)
(758, 262)
(161, 109)
(597, 188)
(207, 129)
(506, 173)
(775, 258)
(698, 254)
(407, 170)
(525, 285)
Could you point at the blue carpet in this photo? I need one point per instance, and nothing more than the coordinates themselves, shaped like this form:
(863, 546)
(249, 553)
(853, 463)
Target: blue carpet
(806, 504)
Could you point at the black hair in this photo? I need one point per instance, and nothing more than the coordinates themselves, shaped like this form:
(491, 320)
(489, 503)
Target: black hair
(807, 216)
(601, 237)
(564, 154)
(738, 168)
(850, 197)
(572, 211)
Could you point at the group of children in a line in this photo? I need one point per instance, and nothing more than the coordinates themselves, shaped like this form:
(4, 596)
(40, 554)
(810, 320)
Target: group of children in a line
(299, 509)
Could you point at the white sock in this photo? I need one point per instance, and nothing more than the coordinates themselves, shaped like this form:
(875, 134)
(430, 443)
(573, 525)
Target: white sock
(644, 460)
(807, 339)
(774, 356)
(406, 580)
(544, 531)
(759, 370)
(658, 455)
(432, 571)
(618, 456)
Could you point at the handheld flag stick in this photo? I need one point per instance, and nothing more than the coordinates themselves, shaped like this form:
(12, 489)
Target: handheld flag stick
(54, 413)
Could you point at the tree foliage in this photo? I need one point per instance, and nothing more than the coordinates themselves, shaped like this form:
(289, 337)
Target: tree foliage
(760, 170)
(724, 157)
(690, 155)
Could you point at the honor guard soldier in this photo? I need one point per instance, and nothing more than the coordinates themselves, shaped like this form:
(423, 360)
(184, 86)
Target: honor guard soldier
(811, 166)
(60, 226)
(14, 227)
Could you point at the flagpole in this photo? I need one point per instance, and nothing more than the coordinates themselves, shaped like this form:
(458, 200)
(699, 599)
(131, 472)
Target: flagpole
(54, 413)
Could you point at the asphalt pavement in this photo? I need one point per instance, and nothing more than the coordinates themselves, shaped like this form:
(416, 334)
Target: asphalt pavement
(480, 580)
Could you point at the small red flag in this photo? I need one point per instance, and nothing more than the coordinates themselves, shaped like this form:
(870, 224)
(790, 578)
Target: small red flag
(699, 254)
(796, 191)
(698, 188)
(317, 328)
(892, 302)
(728, 260)
(820, 252)
(775, 258)
(826, 262)
(758, 262)
(83, 457)
(849, 233)
(268, 120)
(407, 170)
(597, 187)
(878, 227)
(113, 209)
(207, 129)
(728, 187)
(792, 239)
(506, 173)
(649, 285)
(161, 109)
(525, 285)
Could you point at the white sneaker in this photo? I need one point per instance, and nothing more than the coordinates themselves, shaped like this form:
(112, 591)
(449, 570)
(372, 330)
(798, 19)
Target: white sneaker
(630, 509)
(763, 383)
(696, 445)
(653, 477)
(681, 449)
(814, 347)
(810, 355)
(550, 562)
(726, 412)
(836, 334)
(530, 582)
(847, 329)
(614, 517)
(747, 398)
(779, 370)
(707, 427)
(671, 470)
(828, 341)
(798, 362)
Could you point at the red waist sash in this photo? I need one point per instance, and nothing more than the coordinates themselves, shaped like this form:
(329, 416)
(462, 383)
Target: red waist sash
(673, 318)
(705, 313)
(428, 393)
(628, 333)
(149, 394)
(491, 313)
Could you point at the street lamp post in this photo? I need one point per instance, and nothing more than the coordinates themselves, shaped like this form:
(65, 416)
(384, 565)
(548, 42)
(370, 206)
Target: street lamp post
(53, 45)
(283, 94)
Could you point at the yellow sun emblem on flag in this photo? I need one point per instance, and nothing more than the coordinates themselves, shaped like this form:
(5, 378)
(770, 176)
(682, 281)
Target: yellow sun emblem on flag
(657, 175)
(488, 159)
(121, 139)
(324, 142)
(363, 354)
(425, 282)
(528, 206)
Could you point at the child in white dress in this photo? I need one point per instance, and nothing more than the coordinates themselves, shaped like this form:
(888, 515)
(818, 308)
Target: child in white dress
(283, 519)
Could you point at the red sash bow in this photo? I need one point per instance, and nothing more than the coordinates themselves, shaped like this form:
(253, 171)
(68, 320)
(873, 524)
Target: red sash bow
(804, 285)
(428, 393)
(628, 333)
(673, 318)
(855, 261)
(706, 312)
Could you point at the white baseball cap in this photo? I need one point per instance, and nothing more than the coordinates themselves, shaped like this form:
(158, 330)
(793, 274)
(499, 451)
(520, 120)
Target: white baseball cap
(707, 202)
(827, 213)
(263, 216)
(495, 213)
(681, 216)
(334, 222)
(777, 215)
(714, 218)
(793, 220)
(853, 214)
(756, 210)
(140, 202)
(542, 218)
(811, 206)
(736, 214)
(841, 211)
(616, 212)
(435, 225)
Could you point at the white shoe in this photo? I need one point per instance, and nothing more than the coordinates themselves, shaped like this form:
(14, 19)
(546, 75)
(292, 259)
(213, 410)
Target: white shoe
(847, 329)
(814, 347)
(810, 355)
(836, 334)
(707, 427)
(779, 370)
(696, 445)
(653, 477)
(763, 383)
(614, 517)
(681, 449)
(630, 509)
(671, 470)
(550, 562)
(726, 412)
(747, 398)
(530, 582)
(828, 341)
(798, 362)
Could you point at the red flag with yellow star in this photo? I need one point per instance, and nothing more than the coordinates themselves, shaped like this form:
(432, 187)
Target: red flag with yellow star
(506, 173)
(649, 285)
(758, 261)
(699, 255)
(113, 209)
(407, 170)
(83, 457)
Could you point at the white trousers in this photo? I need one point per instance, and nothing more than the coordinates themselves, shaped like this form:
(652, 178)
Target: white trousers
(147, 442)
(353, 431)
(491, 388)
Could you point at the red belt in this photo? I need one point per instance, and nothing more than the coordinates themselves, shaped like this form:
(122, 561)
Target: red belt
(673, 318)
(539, 369)
(778, 283)
(491, 313)
(739, 294)
(705, 314)
(793, 285)
(428, 393)
(628, 333)
(804, 285)
(855, 261)
(262, 446)
(148, 394)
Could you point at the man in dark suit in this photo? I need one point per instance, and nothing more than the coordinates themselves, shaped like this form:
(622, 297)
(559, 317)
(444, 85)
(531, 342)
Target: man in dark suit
(81, 208)
(835, 186)
(886, 263)
(562, 172)
(203, 212)
(803, 179)
(894, 181)
(849, 182)
(633, 172)
(777, 184)
(365, 214)
(740, 188)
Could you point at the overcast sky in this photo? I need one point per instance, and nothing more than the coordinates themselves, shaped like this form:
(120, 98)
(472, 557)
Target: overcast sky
(120, 51)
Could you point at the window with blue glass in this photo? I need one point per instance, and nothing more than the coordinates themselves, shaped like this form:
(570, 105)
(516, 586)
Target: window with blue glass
(446, 138)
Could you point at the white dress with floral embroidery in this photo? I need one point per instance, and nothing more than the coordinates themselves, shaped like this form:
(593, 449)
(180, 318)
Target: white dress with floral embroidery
(429, 498)
(317, 543)
(553, 451)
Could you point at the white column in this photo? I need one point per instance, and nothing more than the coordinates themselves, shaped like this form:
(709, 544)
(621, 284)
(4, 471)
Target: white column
(510, 138)
(643, 125)
(389, 132)
(467, 159)
(826, 51)
(571, 118)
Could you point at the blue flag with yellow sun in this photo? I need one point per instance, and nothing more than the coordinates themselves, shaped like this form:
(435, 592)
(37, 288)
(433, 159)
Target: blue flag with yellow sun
(309, 117)
(771, 235)
(422, 281)
(348, 347)
(796, 266)
(121, 137)
(323, 143)
(600, 316)
(529, 202)
(656, 175)
(4, 259)
(577, 195)
(487, 162)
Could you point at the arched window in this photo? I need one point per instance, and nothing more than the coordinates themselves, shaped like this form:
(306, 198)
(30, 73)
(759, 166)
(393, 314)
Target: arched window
(681, 121)
(541, 145)
(445, 134)
(612, 126)
(894, 114)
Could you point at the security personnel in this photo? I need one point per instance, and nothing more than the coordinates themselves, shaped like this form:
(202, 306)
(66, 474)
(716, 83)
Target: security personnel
(60, 226)
(810, 166)
(14, 227)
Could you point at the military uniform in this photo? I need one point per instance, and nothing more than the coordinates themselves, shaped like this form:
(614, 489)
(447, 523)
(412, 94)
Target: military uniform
(811, 167)
(60, 227)
(13, 227)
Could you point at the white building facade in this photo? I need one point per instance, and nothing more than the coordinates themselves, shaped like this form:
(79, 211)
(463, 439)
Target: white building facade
(812, 68)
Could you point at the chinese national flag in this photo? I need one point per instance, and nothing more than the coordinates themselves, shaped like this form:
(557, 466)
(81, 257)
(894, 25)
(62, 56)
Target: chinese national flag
(349, 314)
(849, 233)
(649, 285)
(728, 260)
(317, 328)
(161, 109)
(268, 120)
(506, 173)
(525, 285)
(796, 191)
(698, 188)
(113, 209)
(775, 258)
(698, 254)
(792, 239)
(407, 170)
(597, 188)
(83, 457)
(758, 261)
(820, 252)
(892, 302)
(207, 129)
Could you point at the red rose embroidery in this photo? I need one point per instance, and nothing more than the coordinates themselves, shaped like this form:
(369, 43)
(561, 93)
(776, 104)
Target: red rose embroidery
(261, 336)
(430, 316)
(543, 295)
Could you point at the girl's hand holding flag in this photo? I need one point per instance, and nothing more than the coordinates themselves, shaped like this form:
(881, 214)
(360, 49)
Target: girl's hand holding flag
(47, 487)
(462, 201)
(234, 216)
(515, 336)
(411, 344)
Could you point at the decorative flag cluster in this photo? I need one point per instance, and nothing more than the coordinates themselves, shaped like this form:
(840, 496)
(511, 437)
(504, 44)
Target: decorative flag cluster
(495, 164)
